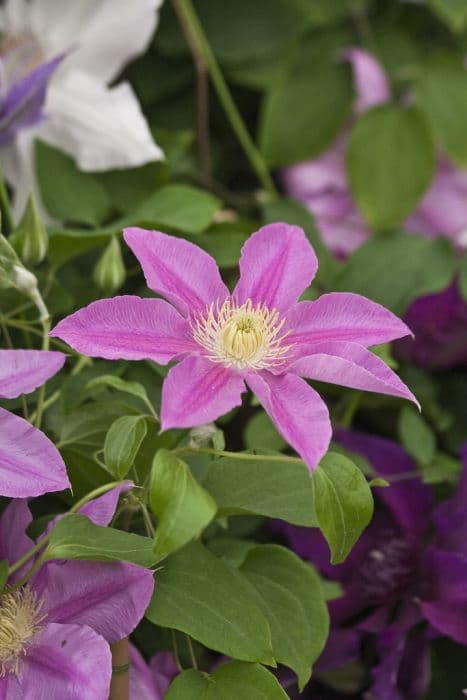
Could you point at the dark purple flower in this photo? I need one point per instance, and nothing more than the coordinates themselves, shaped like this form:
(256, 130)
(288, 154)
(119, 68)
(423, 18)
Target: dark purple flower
(151, 681)
(398, 575)
(55, 629)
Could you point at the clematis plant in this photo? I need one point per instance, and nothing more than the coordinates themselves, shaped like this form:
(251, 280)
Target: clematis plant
(56, 623)
(30, 464)
(260, 335)
(101, 127)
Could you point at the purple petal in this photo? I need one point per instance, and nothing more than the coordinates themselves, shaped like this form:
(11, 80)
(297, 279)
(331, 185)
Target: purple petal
(127, 328)
(298, 412)
(276, 265)
(178, 270)
(22, 105)
(410, 501)
(110, 598)
(370, 80)
(22, 371)
(14, 542)
(198, 391)
(141, 682)
(163, 669)
(65, 661)
(342, 316)
(101, 510)
(342, 647)
(446, 603)
(30, 464)
(443, 209)
(450, 516)
(352, 365)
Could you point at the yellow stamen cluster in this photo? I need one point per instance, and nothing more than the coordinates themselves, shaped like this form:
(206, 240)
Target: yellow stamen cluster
(20, 620)
(241, 336)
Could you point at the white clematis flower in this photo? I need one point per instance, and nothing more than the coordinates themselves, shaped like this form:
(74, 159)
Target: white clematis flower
(101, 127)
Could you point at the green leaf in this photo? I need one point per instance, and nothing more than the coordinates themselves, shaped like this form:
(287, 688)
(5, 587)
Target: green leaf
(441, 91)
(390, 163)
(180, 207)
(231, 681)
(452, 12)
(67, 244)
(260, 433)
(3, 574)
(76, 537)
(304, 110)
(290, 595)
(182, 506)
(202, 596)
(416, 435)
(262, 486)
(68, 193)
(395, 268)
(110, 380)
(122, 443)
(343, 503)
(443, 469)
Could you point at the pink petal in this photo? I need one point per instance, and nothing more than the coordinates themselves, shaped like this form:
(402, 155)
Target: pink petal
(298, 412)
(276, 265)
(178, 270)
(198, 391)
(127, 328)
(163, 669)
(30, 464)
(14, 542)
(370, 80)
(141, 682)
(110, 598)
(22, 371)
(352, 365)
(66, 661)
(342, 316)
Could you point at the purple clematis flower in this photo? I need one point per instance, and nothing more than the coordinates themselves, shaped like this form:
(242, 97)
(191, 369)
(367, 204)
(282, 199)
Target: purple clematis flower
(22, 97)
(30, 464)
(55, 629)
(399, 575)
(151, 681)
(259, 334)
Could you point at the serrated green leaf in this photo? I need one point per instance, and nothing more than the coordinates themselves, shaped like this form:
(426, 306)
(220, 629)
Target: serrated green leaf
(343, 503)
(199, 594)
(122, 442)
(183, 507)
(76, 537)
(291, 597)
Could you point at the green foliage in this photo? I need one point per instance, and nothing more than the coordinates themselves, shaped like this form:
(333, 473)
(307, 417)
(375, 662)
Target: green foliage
(183, 507)
(229, 682)
(416, 435)
(390, 161)
(76, 537)
(122, 442)
(343, 503)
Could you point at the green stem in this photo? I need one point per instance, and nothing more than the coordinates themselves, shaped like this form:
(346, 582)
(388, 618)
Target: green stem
(239, 455)
(351, 409)
(41, 392)
(5, 207)
(194, 31)
(192, 652)
(42, 542)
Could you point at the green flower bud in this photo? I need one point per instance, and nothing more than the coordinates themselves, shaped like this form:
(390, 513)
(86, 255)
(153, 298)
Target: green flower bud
(109, 273)
(8, 260)
(30, 237)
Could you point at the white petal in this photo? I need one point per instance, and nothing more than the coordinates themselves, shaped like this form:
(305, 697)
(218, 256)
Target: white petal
(16, 160)
(105, 34)
(102, 128)
(14, 17)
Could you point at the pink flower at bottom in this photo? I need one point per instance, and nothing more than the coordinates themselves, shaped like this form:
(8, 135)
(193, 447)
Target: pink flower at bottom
(260, 335)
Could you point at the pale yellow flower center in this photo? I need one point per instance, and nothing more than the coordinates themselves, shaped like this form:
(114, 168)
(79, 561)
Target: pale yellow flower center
(20, 620)
(241, 336)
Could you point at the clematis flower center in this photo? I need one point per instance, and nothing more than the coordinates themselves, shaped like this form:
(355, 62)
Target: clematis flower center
(20, 620)
(387, 570)
(245, 336)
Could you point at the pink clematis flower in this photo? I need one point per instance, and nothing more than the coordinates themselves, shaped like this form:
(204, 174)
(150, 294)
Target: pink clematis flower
(258, 335)
(30, 464)
(55, 630)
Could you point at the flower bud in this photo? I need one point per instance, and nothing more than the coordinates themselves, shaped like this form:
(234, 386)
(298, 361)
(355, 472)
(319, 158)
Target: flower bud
(8, 260)
(109, 273)
(30, 237)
